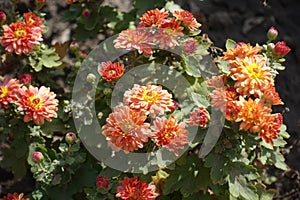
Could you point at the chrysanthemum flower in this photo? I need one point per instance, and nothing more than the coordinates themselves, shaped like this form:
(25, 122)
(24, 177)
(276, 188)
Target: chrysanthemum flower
(251, 113)
(220, 97)
(111, 71)
(20, 38)
(153, 18)
(199, 117)
(281, 49)
(135, 39)
(190, 46)
(217, 81)
(166, 36)
(187, 19)
(14, 196)
(270, 127)
(8, 91)
(169, 133)
(125, 129)
(32, 20)
(102, 182)
(272, 97)
(241, 51)
(133, 188)
(39, 104)
(251, 75)
(150, 99)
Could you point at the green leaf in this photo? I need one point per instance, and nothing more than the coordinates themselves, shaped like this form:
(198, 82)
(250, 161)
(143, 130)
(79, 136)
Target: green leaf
(238, 187)
(217, 163)
(230, 44)
(143, 6)
(200, 100)
(72, 13)
(278, 160)
(192, 66)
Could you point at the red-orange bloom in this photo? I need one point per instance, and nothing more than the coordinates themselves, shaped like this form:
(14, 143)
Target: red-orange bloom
(14, 196)
(150, 99)
(187, 19)
(241, 51)
(20, 38)
(135, 39)
(8, 91)
(251, 75)
(270, 127)
(272, 97)
(170, 134)
(39, 104)
(135, 189)
(199, 117)
(251, 113)
(153, 18)
(125, 129)
(111, 71)
(33, 20)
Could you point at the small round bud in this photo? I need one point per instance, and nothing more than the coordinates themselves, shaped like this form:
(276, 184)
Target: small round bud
(100, 115)
(2, 17)
(77, 65)
(37, 156)
(271, 46)
(102, 182)
(86, 12)
(91, 78)
(70, 138)
(74, 46)
(82, 54)
(272, 33)
(25, 79)
(107, 91)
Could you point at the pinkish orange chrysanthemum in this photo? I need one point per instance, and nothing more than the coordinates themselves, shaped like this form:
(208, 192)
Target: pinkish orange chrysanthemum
(251, 75)
(38, 104)
(8, 91)
(199, 117)
(169, 133)
(125, 129)
(187, 19)
(150, 99)
(135, 189)
(14, 196)
(135, 39)
(153, 18)
(272, 97)
(270, 127)
(251, 113)
(217, 81)
(190, 46)
(111, 71)
(20, 38)
(32, 20)
(241, 50)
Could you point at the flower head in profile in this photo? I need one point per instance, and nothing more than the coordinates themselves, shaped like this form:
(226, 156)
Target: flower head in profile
(153, 18)
(241, 50)
(14, 196)
(281, 49)
(272, 97)
(20, 38)
(133, 188)
(39, 104)
(251, 75)
(125, 129)
(187, 19)
(270, 127)
(111, 71)
(199, 117)
(135, 39)
(8, 91)
(170, 134)
(102, 182)
(150, 99)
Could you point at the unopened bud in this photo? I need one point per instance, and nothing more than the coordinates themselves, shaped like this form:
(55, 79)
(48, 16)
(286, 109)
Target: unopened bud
(272, 33)
(107, 91)
(74, 46)
(281, 49)
(86, 12)
(25, 79)
(2, 17)
(37, 156)
(91, 78)
(70, 138)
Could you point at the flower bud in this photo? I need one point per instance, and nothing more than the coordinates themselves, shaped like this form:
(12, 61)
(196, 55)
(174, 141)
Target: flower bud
(82, 54)
(271, 46)
(102, 182)
(39, 3)
(37, 156)
(91, 78)
(25, 79)
(272, 33)
(74, 46)
(86, 12)
(281, 49)
(107, 91)
(2, 17)
(70, 138)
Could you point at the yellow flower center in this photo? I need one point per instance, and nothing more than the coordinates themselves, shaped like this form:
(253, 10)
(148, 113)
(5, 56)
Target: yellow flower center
(35, 101)
(20, 33)
(3, 91)
(111, 72)
(254, 70)
(150, 96)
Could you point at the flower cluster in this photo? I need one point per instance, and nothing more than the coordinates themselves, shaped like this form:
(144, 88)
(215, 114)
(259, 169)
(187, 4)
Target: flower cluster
(37, 104)
(247, 94)
(158, 28)
(14, 196)
(22, 37)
